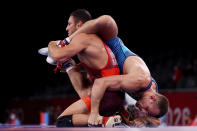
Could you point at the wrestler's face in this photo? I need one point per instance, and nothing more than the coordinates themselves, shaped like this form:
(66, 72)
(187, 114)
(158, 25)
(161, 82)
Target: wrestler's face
(72, 25)
(147, 106)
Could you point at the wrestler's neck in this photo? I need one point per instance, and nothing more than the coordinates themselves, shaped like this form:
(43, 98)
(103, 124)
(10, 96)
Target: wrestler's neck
(148, 92)
(152, 90)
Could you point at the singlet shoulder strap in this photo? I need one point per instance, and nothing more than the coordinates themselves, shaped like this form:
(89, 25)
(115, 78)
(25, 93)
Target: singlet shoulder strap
(157, 88)
(149, 86)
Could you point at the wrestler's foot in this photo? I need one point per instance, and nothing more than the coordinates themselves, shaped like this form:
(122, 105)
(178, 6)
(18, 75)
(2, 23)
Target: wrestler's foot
(111, 121)
(51, 61)
(43, 51)
(62, 43)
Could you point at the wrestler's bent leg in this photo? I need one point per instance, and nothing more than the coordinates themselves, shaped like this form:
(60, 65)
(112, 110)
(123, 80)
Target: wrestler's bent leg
(80, 82)
(75, 115)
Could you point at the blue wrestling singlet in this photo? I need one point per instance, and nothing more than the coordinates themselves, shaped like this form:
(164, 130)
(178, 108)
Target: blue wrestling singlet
(121, 53)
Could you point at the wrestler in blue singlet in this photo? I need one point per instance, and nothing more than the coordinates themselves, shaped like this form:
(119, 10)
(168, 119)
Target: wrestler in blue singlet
(121, 53)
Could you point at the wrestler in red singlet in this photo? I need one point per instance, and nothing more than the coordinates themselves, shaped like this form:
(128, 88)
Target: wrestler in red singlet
(113, 100)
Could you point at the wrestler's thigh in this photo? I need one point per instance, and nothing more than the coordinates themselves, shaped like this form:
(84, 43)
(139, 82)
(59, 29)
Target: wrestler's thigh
(78, 107)
(111, 103)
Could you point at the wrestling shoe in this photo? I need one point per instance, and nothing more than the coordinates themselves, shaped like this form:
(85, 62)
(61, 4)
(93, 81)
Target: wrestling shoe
(51, 61)
(62, 43)
(43, 51)
(111, 121)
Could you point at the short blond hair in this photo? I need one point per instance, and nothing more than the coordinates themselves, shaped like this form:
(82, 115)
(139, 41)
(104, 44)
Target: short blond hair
(163, 104)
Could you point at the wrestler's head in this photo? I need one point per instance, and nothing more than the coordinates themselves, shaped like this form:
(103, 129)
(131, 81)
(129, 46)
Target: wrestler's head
(153, 105)
(77, 19)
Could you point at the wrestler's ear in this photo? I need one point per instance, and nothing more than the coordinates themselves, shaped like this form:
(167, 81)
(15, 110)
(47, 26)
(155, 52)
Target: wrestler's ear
(153, 97)
(79, 24)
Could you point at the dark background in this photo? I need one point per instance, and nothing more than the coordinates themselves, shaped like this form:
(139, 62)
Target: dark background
(148, 30)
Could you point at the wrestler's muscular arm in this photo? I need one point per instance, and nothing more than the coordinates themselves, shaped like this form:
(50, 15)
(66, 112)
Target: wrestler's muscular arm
(78, 44)
(104, 26)
(99, 87)
(136, 76)
(146, 121)
(117, 82)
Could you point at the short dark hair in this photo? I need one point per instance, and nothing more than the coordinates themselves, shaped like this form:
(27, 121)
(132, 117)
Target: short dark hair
(82, 15)
(162, 104)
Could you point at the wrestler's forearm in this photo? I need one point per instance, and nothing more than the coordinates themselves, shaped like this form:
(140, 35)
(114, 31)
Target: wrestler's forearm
(153, 122)
(146, 121)
(98, 91)
(104, 25)
(79, 43)
(135, 81)
(136, 74)
(55, 52)
(100, 86)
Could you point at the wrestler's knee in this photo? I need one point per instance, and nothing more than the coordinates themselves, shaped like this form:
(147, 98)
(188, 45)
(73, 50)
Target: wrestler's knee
(64, 121)
(107, 27)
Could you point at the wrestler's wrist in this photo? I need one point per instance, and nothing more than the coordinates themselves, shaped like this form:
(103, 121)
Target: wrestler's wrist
(94, 111)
